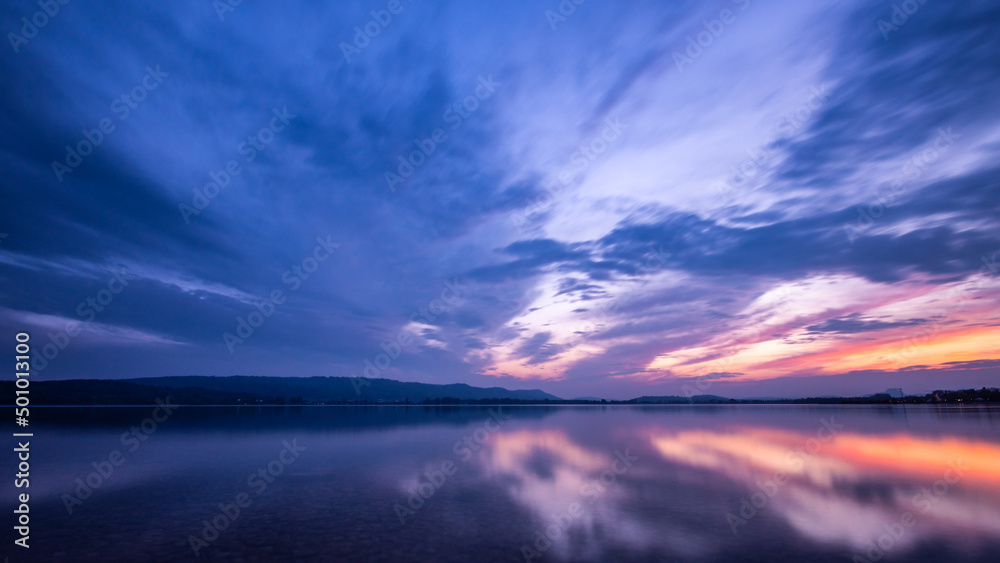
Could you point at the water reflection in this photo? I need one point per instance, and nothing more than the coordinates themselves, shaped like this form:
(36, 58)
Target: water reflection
(846, 489)
(568, 487)
(836, 488)
(575, 484)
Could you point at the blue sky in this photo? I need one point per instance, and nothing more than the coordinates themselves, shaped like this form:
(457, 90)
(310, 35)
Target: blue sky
(739, 197)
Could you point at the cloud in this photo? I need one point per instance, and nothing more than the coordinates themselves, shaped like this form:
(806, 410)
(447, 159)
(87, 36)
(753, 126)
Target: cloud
(855, 323)
(537, 349)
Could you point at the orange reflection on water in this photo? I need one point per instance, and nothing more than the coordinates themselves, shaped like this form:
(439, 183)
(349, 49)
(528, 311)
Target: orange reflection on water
(747, 449)
(904, 454)
(844, 487)
(845, 454)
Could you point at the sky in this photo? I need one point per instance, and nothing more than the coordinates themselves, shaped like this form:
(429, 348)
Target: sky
(741, 198)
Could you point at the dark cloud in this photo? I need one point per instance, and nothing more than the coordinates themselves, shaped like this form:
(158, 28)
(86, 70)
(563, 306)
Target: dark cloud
(538, 349)
(856, 323)
(900, 91)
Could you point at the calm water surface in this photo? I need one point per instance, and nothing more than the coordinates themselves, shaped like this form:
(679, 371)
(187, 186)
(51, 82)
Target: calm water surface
(746, 483)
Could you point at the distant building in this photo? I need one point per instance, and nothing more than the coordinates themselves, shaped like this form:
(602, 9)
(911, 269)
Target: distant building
(895, 392)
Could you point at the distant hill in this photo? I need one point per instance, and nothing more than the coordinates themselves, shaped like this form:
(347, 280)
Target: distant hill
(675, 400)
(256, 390)
(239, 389)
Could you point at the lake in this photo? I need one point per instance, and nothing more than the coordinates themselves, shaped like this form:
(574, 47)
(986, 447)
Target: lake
(658, 483)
